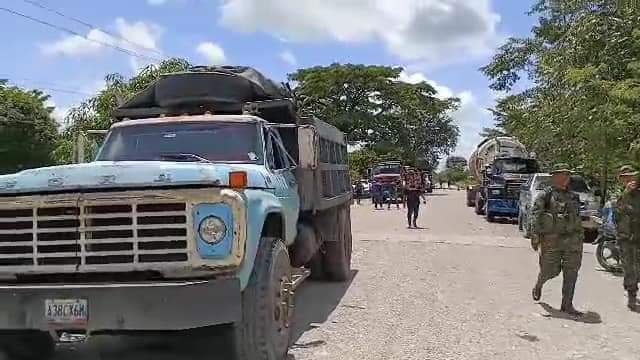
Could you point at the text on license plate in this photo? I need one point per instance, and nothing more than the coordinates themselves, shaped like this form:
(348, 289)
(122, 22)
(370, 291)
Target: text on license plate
(66, 311)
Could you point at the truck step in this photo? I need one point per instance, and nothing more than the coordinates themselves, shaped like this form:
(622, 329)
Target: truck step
(298, 275)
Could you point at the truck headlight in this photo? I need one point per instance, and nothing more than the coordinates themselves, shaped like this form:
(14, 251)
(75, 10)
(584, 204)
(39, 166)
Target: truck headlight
(212, 230)
(496, 191)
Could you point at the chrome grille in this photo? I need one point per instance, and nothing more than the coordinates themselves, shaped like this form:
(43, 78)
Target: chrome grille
(94, 234)
(513, 190)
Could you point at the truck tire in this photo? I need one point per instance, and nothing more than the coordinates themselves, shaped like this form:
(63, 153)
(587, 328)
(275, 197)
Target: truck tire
(479, 204)
(28, 345)
(267, 305)
(526, 227)
(337, 253)
(490, 217)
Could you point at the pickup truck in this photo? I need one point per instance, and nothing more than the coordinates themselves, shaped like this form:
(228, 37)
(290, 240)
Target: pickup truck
(186, 218)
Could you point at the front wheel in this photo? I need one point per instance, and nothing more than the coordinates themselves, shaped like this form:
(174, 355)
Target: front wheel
(526, 227)
(520, 228)
(267, 305)
(607, 256)
(479, 204)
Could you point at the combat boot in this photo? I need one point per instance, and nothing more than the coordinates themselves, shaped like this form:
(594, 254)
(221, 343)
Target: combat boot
(567, 307)
(632, 301)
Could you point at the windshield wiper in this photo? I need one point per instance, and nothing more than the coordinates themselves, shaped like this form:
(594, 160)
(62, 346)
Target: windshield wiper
(184, 157)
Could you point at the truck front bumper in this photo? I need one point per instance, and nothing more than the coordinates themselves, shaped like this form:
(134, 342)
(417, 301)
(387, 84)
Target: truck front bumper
(135, 306)
(502, 207)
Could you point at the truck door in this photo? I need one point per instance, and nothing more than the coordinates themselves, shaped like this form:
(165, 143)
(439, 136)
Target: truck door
(282, 167)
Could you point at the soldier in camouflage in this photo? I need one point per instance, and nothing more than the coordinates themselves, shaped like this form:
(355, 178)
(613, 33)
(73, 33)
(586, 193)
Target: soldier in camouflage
(627, 218)
(558, 233)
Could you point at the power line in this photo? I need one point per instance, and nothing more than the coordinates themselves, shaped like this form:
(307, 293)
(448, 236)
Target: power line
(50, 86)
(72, 32)
(90, 26)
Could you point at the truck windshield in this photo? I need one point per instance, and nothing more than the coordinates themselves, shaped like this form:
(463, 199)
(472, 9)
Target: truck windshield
(386, 169)
(185, 142)
(516, 166)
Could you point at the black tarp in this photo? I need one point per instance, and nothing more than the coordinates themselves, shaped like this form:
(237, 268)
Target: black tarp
(223, 89)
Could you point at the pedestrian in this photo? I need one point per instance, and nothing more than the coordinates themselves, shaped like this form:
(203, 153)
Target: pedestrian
(414, 192)
(359, 189)
(376, 193)
(558, 233)
(391, 193)
(627, 219)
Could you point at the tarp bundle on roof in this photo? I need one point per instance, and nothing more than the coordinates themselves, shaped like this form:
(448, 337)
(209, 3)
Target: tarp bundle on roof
(221, 89)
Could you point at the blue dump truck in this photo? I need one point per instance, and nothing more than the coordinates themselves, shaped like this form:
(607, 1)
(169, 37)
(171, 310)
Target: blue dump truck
(501, 165)
(208, 203)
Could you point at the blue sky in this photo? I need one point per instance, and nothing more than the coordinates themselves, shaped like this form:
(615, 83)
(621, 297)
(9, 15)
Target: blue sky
(440, 41)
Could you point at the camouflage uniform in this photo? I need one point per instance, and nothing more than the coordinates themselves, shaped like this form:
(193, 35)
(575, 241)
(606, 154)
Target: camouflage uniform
(627, 218)
(558, 229)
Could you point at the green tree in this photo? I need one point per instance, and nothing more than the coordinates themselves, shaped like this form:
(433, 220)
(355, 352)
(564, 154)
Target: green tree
(371, 105)
(361, 160)
(456, 162)
(584, 105)
(28, 133)
(95, 112)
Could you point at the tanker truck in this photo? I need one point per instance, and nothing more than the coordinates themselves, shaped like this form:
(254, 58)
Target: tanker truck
(500, 165)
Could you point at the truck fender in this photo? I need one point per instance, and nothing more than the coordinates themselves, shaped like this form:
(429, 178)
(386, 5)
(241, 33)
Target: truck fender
(260, 205)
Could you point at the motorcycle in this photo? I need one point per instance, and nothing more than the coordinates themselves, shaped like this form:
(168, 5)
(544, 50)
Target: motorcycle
(608, 252)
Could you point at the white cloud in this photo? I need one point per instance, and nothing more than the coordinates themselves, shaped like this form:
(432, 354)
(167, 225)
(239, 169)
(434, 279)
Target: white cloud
(213, 53)
(156, 2)
(77, 45)
(434, 31)
(289, 58)
(471, 117)
(59, 113)
(138, 37)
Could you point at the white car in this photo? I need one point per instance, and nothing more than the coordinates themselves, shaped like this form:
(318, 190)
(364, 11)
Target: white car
(589, 203)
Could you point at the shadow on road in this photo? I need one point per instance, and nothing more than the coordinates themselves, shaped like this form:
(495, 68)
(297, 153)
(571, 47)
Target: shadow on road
(437, 194)
(589, 317)
(315, 301)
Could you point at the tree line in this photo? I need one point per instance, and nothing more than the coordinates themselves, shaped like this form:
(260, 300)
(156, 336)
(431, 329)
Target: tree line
(383, 116)
(582, 61)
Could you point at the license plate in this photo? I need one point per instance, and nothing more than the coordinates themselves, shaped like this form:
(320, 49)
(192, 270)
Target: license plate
(66, 311)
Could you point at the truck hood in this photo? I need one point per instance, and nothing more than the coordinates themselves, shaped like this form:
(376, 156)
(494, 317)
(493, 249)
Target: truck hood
(133, 174)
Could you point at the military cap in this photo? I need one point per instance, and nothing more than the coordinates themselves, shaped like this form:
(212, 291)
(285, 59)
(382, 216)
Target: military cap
(627, 170)
(560, 168)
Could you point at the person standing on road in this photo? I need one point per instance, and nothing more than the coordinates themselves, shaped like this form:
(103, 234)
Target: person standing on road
(376, 194)
(359, 189)
(414, 191)
(627, 219)
(558, 233)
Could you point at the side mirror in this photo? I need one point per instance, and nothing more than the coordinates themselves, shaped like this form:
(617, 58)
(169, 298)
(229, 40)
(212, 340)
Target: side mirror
(308, 147)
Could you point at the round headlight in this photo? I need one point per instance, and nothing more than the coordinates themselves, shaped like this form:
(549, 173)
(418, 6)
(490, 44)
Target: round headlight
(212, 230)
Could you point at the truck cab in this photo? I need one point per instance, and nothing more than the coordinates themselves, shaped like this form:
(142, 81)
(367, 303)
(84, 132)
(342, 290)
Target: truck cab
(180, 222)
(504, 178)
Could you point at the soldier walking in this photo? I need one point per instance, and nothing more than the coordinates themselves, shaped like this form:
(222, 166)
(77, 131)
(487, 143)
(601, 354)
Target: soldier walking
(627, 218)
(557, 231)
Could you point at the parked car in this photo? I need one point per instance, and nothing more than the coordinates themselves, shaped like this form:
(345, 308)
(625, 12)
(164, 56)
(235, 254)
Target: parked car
(589, 202)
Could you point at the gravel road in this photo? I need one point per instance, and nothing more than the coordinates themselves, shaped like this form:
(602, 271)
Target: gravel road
(457, 289)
